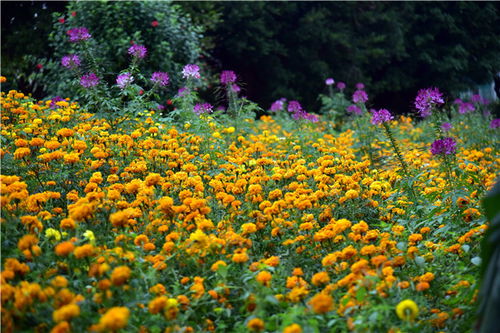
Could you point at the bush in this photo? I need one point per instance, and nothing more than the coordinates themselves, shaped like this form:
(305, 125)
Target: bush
(169, 35)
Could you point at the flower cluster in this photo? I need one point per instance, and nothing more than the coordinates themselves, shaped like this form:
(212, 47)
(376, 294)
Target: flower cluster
(427, 99)
(78, 34)
(160, 78)
(464, 107)
(445, 146)
(381, 116)
(71, 61)
(191, 71)
(138, 51)
(227, 77)
(202, 108)
(89, 80)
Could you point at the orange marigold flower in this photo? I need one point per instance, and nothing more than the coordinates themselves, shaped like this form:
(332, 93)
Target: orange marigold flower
(65, 248)
(217, 264)
(294, 328)
(66, 312)
(114, 319)
(255, 325)
(264, 278)
(157, 304)
(120, 275)
(320, 278)
(321, 303)
(421, 286)
(83, 251)
(21, 152)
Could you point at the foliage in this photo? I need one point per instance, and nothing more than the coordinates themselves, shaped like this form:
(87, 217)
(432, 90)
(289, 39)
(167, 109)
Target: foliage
(169, 35)
(288, 49)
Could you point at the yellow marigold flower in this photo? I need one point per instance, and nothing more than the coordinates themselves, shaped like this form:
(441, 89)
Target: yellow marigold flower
(114, 319)
(255, 325)
(249, 228)
(88, 234)
(240, 257)
(294, 328)
(264, 278)
(407, 310)
(53, 233)
(120, 275)
(351, 194)
(321, 303)
(66, 312)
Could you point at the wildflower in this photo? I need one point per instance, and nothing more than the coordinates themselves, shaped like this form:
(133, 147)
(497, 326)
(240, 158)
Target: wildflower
(426, 99)
(255, 325)
(277, 105)
(227, 77)
(89, 80)
(381, 116)
(66, 312)
(235, 88)
(64, 249)
(120, 275)
(124, 79)
(495, 123)
(359, 96)
(202, 108)
(71, 61)
(329, 81)
(115, 318)
(191, 71)
(341, 86)
(446, 146)
(407, 310)
(354, 109)
(78, 34)
(264, 278)
(446, 127)
(321, 303)
(160, 78)
(360, 86)
(294, 328)
(137, 51)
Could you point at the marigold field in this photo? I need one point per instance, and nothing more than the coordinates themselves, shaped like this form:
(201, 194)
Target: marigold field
(259, 225)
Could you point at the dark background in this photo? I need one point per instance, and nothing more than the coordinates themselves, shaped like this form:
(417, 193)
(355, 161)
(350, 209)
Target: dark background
(288, 49)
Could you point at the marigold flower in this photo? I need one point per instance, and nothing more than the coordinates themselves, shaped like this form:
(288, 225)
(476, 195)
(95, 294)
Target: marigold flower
(120, 275)
(264, 278)
(321, 303)
(114, 319)
(255, 324)
(407, 310)
(83, 251)
(66, 312)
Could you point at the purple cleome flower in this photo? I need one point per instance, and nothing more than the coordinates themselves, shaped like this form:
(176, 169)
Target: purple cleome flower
(359, 96)
(191, 71)
(426, 99)
(354, 109)
(278, 105)
(160, 78)
(183, 91)
(78, 34)
(445, 146)
(495, 123)
(299, 113)
(124, 80)
(89, 80)
(341, 86)
(381, 116)
(203, 108)
(360, 86)
(446, 127)
(138, 51)
(227, 77)
(464, 107)
(71, 61)
(235, 88)
(476, 98)
(295, 107)
(329, 81)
